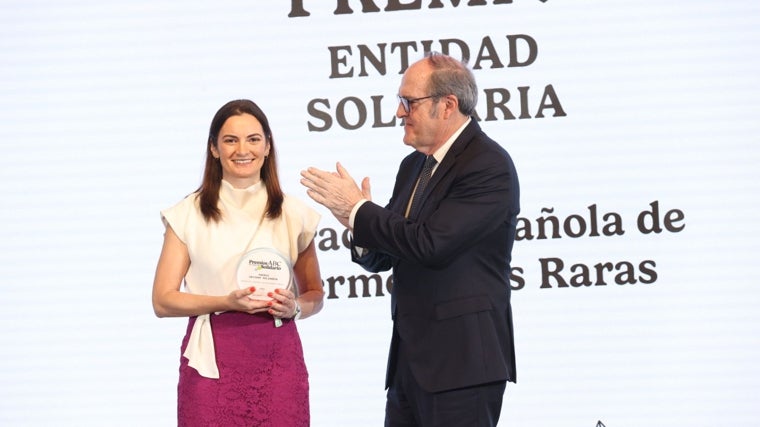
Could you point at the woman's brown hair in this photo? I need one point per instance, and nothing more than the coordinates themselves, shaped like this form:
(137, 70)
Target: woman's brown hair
(208, 192)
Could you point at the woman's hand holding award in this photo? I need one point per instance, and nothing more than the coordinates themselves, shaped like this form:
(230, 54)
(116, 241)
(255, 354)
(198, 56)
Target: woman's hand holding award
(266, 270)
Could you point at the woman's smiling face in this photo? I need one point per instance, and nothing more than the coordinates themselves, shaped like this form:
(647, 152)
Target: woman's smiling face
(241, 148)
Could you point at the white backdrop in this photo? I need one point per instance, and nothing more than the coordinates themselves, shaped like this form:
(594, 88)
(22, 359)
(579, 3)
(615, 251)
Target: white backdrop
(104, 110)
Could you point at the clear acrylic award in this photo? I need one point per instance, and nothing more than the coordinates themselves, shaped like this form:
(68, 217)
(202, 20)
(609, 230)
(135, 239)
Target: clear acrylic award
(266, 270)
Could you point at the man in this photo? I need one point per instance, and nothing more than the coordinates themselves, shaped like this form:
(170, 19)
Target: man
(452, 350)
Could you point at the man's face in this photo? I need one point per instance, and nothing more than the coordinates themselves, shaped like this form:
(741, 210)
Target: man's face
(422, 122)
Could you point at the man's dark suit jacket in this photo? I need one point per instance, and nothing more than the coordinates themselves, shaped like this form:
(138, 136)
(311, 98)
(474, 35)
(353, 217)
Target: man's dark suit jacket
(451, 297)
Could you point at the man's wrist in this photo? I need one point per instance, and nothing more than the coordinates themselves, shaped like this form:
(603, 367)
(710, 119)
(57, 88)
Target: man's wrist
(352, 216)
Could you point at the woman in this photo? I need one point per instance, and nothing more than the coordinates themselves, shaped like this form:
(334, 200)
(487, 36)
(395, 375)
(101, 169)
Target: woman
(242, 360)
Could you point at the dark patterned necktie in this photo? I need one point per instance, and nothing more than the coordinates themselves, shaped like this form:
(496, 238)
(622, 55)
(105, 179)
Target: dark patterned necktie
(427, 171)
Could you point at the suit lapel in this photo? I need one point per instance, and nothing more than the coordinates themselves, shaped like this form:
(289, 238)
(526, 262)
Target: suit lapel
(406, 182)
(410, 171)
(467, 135)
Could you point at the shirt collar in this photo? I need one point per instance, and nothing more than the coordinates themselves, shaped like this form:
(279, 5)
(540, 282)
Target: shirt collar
(441, 152)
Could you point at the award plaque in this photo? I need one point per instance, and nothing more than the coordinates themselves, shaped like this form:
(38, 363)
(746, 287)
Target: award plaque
(266, 270)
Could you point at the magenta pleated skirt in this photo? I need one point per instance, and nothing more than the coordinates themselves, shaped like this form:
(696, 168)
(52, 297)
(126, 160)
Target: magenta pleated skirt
(263, 379)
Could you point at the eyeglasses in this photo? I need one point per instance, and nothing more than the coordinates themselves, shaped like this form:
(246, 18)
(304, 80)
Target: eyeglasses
(408, 102)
